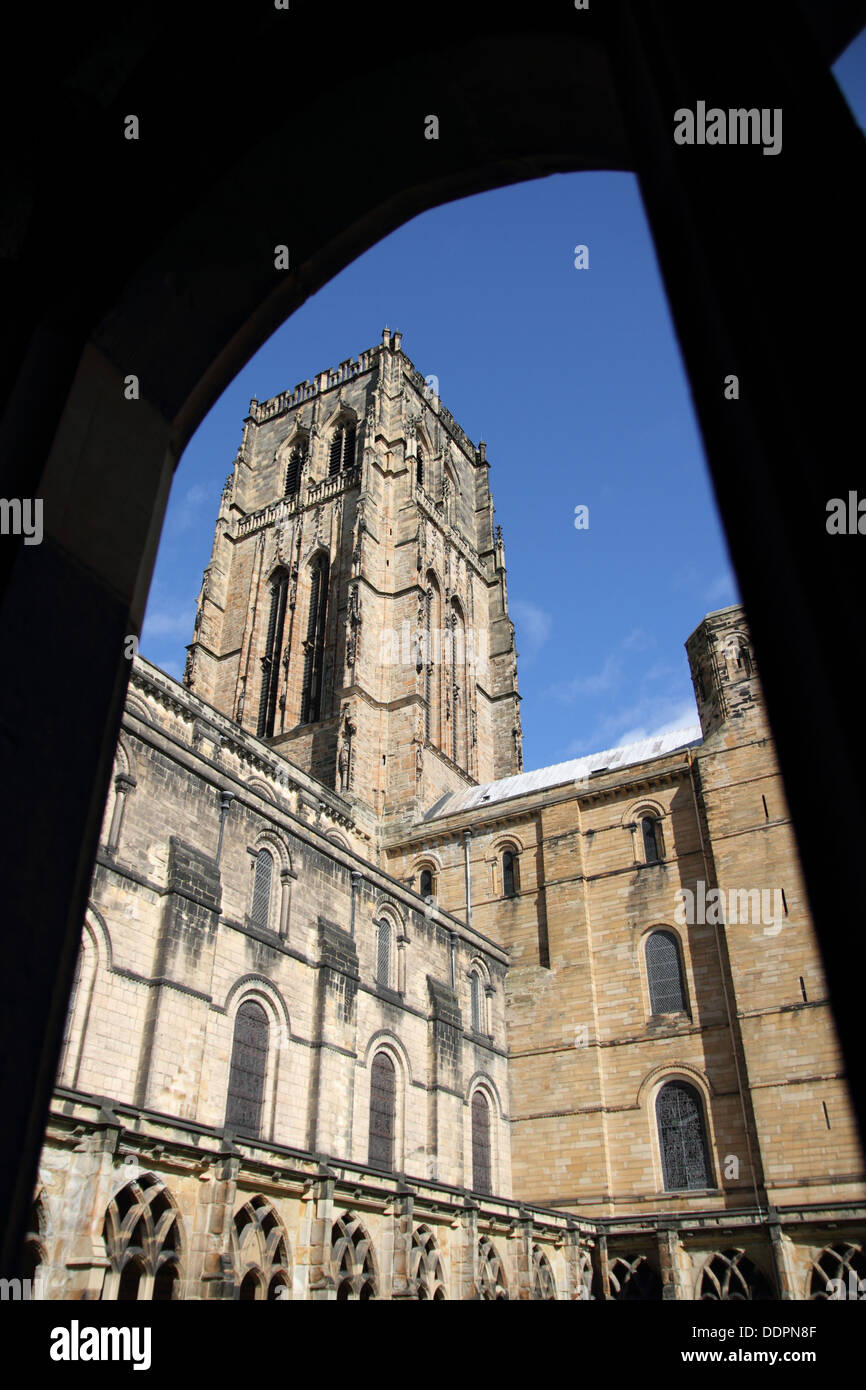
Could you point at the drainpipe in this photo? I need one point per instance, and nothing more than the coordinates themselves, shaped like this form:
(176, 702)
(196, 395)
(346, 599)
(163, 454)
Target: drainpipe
(226, 799)
(467, 836)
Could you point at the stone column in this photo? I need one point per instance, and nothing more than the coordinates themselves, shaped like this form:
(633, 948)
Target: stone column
(572, 1263)
(321, 1280)
(601, 1266)
(783, 1264)
(286, 876)
(465, 1277)
(212, 1231)
(402, 1284)
(669, 1263)
(123, 783)
(80, 1264)
(521, 1234)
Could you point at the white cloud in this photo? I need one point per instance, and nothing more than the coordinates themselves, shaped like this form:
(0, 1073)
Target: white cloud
(605, 680)
(638, 641)
(677, 716)
(532, 626)
(189, 508)
(648, 717)
(177, 623)
(722, 590)
(659, 671)
(598, 684)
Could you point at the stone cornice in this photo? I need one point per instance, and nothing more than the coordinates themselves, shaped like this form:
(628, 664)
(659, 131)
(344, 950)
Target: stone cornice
(283, 508)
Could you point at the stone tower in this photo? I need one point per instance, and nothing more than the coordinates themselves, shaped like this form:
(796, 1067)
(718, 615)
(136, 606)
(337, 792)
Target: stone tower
(354, 612)
(722, 664)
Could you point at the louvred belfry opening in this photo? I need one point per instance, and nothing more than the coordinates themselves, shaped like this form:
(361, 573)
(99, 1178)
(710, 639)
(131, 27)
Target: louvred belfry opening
(271, 659)
(314, 646)
(297, 460)
(342, 454)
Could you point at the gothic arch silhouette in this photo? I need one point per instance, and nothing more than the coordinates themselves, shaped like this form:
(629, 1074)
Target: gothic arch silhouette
(183, 321)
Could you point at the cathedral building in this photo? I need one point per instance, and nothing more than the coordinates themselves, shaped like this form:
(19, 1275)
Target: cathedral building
(365, 1010)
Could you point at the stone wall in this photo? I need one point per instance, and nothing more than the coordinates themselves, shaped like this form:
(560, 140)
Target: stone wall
(171, 950)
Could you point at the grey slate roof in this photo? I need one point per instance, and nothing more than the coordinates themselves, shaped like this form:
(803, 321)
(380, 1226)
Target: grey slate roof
(577, 770)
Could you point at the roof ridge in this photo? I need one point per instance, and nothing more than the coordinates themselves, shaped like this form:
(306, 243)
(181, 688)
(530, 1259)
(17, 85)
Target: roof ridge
(540, 779)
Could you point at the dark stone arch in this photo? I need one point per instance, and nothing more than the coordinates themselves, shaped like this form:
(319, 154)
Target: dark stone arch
(182, 295)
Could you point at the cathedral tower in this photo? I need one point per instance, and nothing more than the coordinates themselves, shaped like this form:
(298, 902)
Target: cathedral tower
(354, 612)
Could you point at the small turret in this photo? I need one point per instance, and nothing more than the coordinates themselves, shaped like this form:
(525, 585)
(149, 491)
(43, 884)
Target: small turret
(722, 663)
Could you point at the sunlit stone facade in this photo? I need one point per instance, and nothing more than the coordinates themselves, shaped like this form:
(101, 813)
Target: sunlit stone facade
(364, 1010)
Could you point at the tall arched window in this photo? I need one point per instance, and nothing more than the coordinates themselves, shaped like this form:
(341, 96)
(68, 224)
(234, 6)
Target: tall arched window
(651, 847)
(480, 1143)
(314, 645)
(383, 953)
(271, 658)
(510, 876)
(383, 1112)
(297, 459)
(342, 449)
(248, 1067)
(459, 706)
(433, 659)
(682, 1138)
(475, 988)
(664, 974)
(426, 885)
(260, 911)
(419, 467)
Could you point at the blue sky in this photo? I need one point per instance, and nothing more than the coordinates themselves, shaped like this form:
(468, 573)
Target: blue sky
(575, 380)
